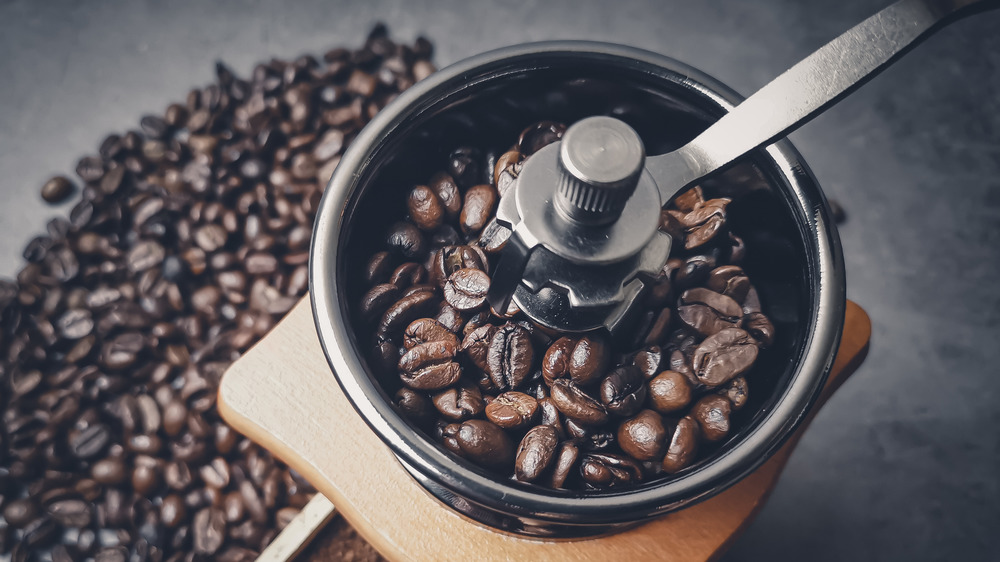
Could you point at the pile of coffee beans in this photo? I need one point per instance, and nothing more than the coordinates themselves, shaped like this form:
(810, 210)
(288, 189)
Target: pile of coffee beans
(559, 410)
(189, 241)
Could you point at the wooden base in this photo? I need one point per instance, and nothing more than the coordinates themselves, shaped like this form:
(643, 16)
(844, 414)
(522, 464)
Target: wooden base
(282, 395)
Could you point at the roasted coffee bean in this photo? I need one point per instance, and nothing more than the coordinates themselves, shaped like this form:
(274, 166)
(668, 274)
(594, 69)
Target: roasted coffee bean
(759, 327)
(539, 135)
(172, 511)
(683, 446)
(20, 512)
(407, 275)
(463, 165)
(512, 410)
(506, 171)
(110, 471)
(444, 186)
(644, 436)
(703, 224)
(209, 531)
(90, 442)
(70, 512)
(712, 414)
(707, 312)
(557, 359)
(430, 366)
(405, 310)
(450, 259)
(623, 391)
(478, 207)
(669, 392)
(736, 391)
(427, 210)
(476, 345)
(57, 189)
(589, 360)
(729, 280)
(510, 357)
(484, 443)
(406, 240)
(565, 461)
(535, 453)
(425, 330)
(375, 302)
(379, 268)
(649, 361)
(460, 403)
(605, 470)
(690, 200)
(576, 404)
(466, 289)
(723, 357)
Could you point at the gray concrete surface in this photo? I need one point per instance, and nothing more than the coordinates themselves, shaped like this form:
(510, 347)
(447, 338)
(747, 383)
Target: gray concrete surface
(903, 463)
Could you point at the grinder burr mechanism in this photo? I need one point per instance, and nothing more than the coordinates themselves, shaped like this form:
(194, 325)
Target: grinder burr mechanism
(584, 241)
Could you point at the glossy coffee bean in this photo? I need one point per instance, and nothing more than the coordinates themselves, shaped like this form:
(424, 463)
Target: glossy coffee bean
(644, 436)
(466, 289)
(576, 404)
(712, 414)
(589, 360)
(606, 470)
(484, 443)
(426, 209)
(683, 446)
(623, 391)
(512, 410)
(430, 366)
(724, 356)
(510, 357)
(536, 453)
(460, 403)
(669, 392)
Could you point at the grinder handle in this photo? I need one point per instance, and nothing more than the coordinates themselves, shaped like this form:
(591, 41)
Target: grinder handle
(808, 88)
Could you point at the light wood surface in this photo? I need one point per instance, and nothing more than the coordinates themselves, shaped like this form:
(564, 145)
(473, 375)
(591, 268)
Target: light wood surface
(282, 395)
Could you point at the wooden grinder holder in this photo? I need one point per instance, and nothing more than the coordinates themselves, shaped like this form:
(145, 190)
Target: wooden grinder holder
(282, 395)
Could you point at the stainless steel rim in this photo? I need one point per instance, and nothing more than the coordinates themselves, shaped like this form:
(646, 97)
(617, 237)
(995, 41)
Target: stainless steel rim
(435, 467)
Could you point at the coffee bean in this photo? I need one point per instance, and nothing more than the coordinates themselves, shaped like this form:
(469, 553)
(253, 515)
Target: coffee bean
(375, 302)
(446, 190)
(644, 436)
(466, 289)
(724, 356)
(623, 391)
(669, 392)
(75, 323)
(576, 404)
(589, 360)
(565, 461)
(90, 442)
(209, 531)
(703, 224)
(736, 391)
(215, 473)
(476, 345)
(427, 210)
(536, 453)
(690, 200)
(683, 446)
(430, 366)
(172, 511)
(712, 414)
(70, 512)
(539, 135)
(759, 327)
(20, 512)
(510, 356)
(459, 403)
(484, 443)
(57, 189)
(211, 237)
(477, 208)
(406, 240)
(512, 410)
(405, 310)
(605, 470)
(110, 471)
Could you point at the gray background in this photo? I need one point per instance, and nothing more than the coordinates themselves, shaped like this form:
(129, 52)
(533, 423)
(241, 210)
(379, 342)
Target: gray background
(903, 462)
